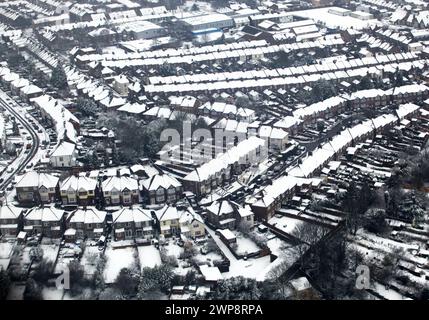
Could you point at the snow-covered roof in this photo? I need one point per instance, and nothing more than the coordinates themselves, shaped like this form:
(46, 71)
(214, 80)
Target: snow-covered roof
(35, 179)
(81, 183)
(220, 208)
(134, 213)
(64, 149)
(167, 213)
(161, 181)
(44, 214)
(223, 161)
(88, 215)
(211, 273)
(9, 212)
(119, 184)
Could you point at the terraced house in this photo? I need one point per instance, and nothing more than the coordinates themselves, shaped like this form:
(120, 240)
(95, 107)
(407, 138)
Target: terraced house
(36, 188)
(133, 223)
(120, 190)
(85, 223)
(78, 191)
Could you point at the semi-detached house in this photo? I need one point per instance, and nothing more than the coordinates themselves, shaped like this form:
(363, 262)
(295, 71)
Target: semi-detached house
(133, 223)
(120, 190)
(85, 223)
(35, 188)
(78, 190)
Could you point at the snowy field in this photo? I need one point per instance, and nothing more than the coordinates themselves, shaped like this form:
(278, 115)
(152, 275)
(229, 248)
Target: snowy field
(116, 260)
(149, 256)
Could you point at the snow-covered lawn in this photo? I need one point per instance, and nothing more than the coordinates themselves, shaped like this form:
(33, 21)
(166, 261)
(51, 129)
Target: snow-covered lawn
(173, 249)
(89, 259)
(5, 250)
(50, 251)
(211, 256)
(246, 245)
(5, 254)
(250, 268)
(286, 224)
(116, 260)
(149, 256)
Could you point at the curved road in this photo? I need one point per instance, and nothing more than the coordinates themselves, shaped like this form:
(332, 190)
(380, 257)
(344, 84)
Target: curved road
(34, 137)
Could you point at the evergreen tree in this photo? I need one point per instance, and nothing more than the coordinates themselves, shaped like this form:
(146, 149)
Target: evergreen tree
(59, 78)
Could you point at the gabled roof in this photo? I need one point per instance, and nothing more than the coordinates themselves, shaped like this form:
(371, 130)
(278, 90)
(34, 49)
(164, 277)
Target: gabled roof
(135, 214)
(161, 180)
(88, 215)
(10, 212)
(167, 213)
(44, 214)
(78, 184)
(189, 215)
(119, 183)
(221, 208)
(64, 149)
(34, 179)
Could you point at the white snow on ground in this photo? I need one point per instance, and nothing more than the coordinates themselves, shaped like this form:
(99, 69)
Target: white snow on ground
(173, 249)
(89, 259)
(246, 245)
(5, 249)
(52, 293)
(286, 224)
(116, 260)
(5, 254)
(149, 256)
(249, 269)
(50, 251)
(209, 257)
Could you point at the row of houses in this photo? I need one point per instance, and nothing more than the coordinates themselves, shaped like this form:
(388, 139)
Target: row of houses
(362, 99)
(299, 177)
(285, 82)
(36, 188)
(220, 170)
(128, 223)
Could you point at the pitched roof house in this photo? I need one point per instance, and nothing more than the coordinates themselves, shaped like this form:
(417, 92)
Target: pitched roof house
(34, 187)
(49, 221)
(133, 223)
